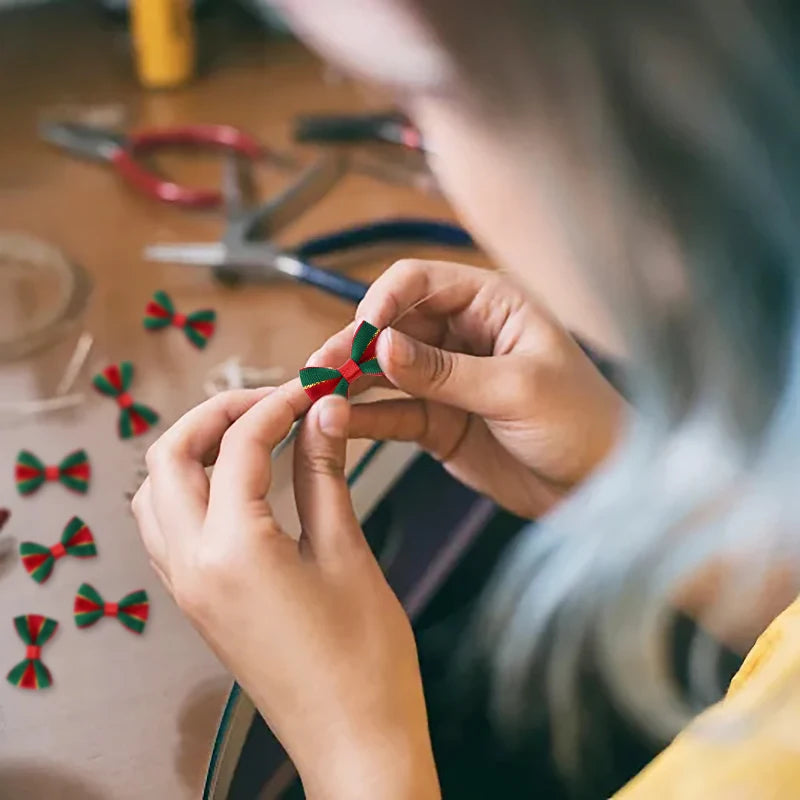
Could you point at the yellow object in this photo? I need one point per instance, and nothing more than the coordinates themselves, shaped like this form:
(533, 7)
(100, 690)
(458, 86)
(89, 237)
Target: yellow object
(164, 42)
(747, 747)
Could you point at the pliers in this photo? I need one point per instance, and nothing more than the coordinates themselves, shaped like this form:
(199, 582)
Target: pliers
(242, 256)
(125, 152)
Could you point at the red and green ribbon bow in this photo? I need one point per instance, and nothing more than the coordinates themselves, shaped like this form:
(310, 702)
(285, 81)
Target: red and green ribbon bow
(198, 326)
(134, 418)
(76, 540)
(319, 381)
(30, 673)
(132, 611)
(73, 472)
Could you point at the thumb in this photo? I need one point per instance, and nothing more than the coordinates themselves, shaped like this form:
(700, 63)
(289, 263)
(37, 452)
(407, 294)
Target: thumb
(459, 380)
(320, 487)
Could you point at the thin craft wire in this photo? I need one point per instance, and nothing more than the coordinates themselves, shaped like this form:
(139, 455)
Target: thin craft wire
(28, 253)
(60, 400)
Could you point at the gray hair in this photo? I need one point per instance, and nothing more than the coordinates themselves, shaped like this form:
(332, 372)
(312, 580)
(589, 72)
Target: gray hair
(695, 123)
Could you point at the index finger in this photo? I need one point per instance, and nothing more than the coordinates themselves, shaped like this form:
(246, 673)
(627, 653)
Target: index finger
(429, 287)
(414, 297)
(176, 462)
(244, 466)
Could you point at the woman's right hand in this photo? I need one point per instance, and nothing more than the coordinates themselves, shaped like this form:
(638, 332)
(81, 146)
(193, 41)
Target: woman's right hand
(499, 392)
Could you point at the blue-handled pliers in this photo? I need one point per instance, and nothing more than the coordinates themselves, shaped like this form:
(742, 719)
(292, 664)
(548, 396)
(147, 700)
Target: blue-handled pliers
(241, 255)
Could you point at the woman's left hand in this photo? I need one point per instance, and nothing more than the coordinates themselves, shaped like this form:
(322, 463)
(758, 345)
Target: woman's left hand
(310, 629)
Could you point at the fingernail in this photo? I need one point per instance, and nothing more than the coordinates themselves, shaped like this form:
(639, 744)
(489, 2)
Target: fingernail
(401, 348)
(332, 416)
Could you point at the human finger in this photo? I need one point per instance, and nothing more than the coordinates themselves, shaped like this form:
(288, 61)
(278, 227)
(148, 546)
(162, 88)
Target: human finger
(149, 530)
(176, 462)
(323, 498)
(429, 287)
(478, 384)
(244, 469)
(436, 429)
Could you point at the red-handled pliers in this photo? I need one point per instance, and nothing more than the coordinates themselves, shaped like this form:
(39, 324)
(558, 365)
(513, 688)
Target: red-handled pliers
(123, 151)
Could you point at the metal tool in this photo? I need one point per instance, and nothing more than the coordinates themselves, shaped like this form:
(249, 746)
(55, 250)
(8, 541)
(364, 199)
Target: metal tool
(389, 127)
(123, 153)
(241, 255)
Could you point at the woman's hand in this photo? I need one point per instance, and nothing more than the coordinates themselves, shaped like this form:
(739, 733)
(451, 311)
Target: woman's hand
(500, 393)
(310, 629)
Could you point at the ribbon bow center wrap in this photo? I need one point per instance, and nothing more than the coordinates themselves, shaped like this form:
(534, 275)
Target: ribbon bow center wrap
(58, 551)
(350, 371)
(321, 381)
(73, 472)
(76, 540)
(132, 611)
(134, 418)
(34, 630)
(198, 326)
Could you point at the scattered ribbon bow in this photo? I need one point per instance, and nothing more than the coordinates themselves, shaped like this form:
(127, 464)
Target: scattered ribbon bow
(73, 472)
(132, 611)
(134, 418)
(76, 540)
(319, 381)
(30, 673)
(198, 326)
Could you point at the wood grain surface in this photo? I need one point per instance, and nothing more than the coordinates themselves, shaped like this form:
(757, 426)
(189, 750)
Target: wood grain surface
(133, 717)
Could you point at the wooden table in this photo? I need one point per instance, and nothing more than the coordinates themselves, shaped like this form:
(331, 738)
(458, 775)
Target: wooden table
(133, 717)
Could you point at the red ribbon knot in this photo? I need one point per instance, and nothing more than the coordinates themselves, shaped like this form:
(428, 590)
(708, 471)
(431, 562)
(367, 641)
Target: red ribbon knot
(33, 652)
(124, 400)
(52, 473)
(58, 551)
(110, 609)
(350, 370)
(179, 320)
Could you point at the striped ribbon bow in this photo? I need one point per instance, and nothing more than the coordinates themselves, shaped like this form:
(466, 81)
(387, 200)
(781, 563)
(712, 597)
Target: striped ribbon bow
(76, 540)
(73, 472)
(31, 673)
(132, 611)
(134, 418)
(319, 381)
(198, 326)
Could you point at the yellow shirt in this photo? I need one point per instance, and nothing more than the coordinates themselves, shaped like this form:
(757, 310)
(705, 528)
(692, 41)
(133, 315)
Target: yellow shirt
(747, 747)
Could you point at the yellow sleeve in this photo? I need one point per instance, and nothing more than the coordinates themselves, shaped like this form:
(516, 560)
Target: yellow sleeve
(747, 747)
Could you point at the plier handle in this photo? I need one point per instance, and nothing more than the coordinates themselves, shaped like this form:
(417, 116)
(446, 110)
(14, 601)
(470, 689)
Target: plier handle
(389, 127)
(125, 153)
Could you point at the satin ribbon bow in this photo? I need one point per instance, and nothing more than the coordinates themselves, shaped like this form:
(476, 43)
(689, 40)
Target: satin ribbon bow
(134, 418)
(132, 611)
(30, 673)
(76, 540)
(198, 326)
(319, 381)
(73, 472)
